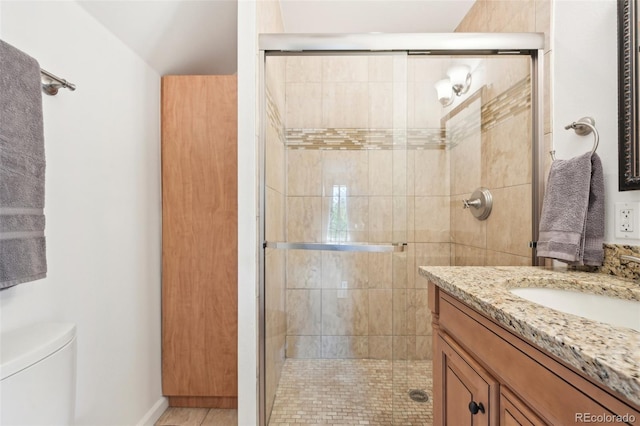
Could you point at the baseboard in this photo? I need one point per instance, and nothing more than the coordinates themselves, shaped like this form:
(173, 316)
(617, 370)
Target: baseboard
(152, 416)
(203, 401)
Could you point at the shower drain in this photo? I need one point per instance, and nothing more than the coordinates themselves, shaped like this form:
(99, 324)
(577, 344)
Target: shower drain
(418, 395)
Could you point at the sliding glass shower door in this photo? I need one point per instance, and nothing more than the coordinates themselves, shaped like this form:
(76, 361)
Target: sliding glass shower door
(366, 168)
(336, 230)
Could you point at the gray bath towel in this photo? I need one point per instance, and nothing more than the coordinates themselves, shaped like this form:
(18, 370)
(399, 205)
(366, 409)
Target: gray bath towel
(572, 221)
(22, 165)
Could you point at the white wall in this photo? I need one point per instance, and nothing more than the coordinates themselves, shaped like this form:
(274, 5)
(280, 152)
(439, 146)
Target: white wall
(103, 208)
(586, 84)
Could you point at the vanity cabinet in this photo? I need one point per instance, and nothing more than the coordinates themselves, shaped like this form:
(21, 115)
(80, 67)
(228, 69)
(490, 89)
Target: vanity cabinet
(477, 360)
(514, 412)
(199, 241)
(469, 391)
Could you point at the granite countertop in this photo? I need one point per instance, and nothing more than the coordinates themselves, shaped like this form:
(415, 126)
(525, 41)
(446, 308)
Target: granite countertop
(608, 354)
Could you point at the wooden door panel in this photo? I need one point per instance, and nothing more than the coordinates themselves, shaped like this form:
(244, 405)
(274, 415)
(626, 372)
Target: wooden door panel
(469, 382)
(199, 249)
(457, 397)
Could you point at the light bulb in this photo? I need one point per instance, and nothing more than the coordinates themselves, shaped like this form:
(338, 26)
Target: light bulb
(460, 76)
(445, 92)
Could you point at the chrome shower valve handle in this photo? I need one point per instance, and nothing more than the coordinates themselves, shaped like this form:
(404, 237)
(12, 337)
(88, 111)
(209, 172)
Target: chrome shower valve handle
(467, 204)
(479, 204)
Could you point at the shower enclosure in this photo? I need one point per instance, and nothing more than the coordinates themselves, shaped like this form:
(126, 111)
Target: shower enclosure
(365, 169)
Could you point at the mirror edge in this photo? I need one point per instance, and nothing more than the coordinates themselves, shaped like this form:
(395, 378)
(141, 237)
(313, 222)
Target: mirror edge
(628, 132)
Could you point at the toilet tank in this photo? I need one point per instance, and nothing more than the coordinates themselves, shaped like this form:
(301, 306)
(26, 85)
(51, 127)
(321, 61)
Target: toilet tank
(38, 375)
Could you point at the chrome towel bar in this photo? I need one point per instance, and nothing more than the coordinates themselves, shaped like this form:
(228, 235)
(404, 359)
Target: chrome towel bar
(353, 247)
(51, 88)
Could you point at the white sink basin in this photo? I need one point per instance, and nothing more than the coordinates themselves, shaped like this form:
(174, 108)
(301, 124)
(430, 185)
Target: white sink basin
(610, 310)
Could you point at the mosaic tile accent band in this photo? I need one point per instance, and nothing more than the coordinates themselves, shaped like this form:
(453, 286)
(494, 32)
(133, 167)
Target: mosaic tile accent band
(504, 106)
(348, 138)
(273, 115)
(508, 104)
(464, 121)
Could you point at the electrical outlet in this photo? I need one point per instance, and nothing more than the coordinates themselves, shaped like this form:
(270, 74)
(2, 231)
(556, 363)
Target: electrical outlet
(627, 220)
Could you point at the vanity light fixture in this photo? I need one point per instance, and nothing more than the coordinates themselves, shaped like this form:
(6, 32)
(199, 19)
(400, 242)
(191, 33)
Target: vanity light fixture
(458, 82)
(445, 92)
(460, 76)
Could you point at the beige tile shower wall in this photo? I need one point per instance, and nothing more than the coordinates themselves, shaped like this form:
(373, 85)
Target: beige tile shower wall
(506, 170)
(275, 260)
(339, 92)
(363, 305)
(503, 238)
(495, 155)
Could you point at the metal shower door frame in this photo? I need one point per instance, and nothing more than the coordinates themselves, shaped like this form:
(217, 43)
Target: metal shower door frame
(433, 44)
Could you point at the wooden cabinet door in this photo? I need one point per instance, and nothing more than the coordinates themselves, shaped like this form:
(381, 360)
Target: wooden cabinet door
(199, 244)
(465, 382)
(513, 412)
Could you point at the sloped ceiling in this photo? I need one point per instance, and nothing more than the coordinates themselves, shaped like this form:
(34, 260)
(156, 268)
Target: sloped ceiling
(199, 36)
(174, 36)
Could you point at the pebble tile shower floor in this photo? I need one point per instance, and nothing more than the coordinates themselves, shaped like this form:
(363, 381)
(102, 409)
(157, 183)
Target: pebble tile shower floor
(352, 392)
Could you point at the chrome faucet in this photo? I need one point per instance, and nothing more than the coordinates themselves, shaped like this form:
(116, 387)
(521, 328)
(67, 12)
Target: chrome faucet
(630, 258)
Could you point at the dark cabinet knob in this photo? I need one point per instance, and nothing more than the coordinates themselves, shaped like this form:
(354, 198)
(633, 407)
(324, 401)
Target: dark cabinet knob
(474, 408)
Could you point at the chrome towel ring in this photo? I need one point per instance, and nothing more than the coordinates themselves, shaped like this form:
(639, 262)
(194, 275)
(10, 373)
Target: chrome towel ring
(582, 127)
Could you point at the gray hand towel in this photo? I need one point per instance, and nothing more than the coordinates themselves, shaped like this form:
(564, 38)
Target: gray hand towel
(22, 165)
(572, 220)
(594, 227)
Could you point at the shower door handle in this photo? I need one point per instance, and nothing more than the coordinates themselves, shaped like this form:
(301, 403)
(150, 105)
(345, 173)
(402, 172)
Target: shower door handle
(353, 247)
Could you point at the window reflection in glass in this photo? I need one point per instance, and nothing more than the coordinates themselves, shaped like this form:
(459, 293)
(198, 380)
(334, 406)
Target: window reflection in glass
(337, 230)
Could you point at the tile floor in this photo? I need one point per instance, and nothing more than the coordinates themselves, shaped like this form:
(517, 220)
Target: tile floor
(352, 392)
(334, 392)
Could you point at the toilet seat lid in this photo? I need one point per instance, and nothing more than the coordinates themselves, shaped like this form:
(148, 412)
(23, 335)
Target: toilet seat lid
(23, 347)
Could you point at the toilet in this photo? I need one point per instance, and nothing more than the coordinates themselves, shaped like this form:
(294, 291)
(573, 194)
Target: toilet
(38, 375)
